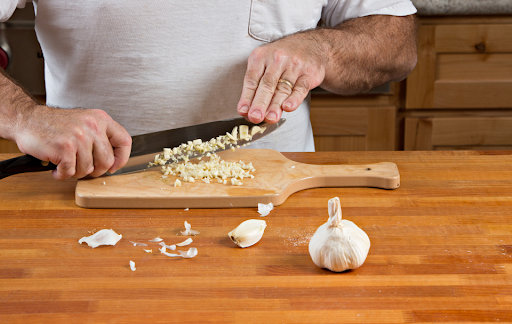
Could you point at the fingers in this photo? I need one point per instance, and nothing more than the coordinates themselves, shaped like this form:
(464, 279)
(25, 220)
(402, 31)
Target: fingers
(121, 142)
(282, 92)
(255, 70)
(84, 162)
(66, 168)
(278, 79)
(299, 93)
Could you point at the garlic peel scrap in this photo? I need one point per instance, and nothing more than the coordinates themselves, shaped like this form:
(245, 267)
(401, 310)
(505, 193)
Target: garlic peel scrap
(192, 252)
(132, 265)
(188, 230)
(248, 232)
(170, 247)
(102, 237)
(264, 209)
(156, 240)
(339, 244)
(186, 242)
(138, 243)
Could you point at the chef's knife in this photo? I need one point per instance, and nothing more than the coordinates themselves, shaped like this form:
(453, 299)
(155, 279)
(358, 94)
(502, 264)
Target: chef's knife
(144, 147)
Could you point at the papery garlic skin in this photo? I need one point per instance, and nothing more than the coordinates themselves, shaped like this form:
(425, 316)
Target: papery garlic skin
(339, 244)
(102, 237)
(248, 232)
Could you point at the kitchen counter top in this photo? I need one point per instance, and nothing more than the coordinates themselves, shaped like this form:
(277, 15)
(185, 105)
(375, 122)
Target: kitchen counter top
(441, 252)
(463, 7)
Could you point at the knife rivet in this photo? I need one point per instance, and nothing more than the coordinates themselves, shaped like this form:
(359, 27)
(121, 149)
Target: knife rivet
(367, 169)
(45, 163)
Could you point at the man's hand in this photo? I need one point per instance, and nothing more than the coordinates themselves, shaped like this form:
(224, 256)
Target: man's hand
(350, 58)
(297, 59)
(79, 141)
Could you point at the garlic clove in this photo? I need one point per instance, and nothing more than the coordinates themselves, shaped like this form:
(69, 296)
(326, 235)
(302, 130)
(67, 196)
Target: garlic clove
(339, 244)
(102, 237)
(248, 232)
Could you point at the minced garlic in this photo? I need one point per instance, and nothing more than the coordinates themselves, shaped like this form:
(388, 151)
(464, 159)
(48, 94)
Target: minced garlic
(215, 168)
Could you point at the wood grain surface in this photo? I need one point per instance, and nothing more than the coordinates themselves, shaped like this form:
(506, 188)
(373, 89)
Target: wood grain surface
(441, 252)
(275, 179)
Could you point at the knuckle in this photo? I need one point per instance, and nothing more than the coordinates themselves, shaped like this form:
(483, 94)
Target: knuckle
(304, 87)
(268, 82)
(296, 61)
(66, 145)
(284, 88)
(257, 54)
(250, 81)
(280, 56)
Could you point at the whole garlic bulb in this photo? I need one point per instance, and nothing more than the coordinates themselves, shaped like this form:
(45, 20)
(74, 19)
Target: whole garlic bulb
(339, 245)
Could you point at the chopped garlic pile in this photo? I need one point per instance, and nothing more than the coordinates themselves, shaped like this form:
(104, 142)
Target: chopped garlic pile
(215, 168)
(208, 170)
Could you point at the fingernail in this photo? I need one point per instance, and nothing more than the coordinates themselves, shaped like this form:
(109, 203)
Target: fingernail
(256, 114)
(287, 105)
(244, 109)
(272, 116)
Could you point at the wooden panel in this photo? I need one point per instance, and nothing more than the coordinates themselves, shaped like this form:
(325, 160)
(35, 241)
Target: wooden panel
(339, 121)
(340, 143)
(485, 94)
(420, 83)
(8, 146)
(475, 67)
(441, 252)
(381, 129)
(472, 131)
(490, 38)
(474, 147)
(464, 20)
(418, 134)
(458, 132)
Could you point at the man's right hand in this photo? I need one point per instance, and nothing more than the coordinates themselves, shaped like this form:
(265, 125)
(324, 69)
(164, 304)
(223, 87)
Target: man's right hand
(79, 141)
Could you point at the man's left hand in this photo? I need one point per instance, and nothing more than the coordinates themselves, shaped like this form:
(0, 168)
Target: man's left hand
(279, 76)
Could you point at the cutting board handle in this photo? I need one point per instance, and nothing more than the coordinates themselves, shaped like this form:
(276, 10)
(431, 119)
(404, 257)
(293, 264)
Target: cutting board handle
(383, 175)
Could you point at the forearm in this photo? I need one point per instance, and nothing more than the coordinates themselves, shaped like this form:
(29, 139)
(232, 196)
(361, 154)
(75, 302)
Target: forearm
(15, 102)
(368, 51)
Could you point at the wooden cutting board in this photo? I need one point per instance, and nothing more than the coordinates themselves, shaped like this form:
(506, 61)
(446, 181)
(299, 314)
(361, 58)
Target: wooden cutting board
(275, 179)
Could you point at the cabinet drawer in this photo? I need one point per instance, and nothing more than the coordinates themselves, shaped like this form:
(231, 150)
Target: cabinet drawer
(440, 133)
(354, 128)
(462, 66)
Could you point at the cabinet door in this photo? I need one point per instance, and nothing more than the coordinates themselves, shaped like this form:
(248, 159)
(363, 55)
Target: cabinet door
(462, 66)
(8, 147)
(451, 133)
(354, 128)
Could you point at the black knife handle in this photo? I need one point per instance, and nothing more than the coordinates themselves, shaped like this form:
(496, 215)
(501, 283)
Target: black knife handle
(21, 164)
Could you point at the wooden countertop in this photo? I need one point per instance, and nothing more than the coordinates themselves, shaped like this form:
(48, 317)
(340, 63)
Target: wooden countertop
(441, 252)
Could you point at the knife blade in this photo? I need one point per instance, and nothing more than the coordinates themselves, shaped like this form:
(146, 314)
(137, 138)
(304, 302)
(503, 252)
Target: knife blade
(145, 149)
(145, 146)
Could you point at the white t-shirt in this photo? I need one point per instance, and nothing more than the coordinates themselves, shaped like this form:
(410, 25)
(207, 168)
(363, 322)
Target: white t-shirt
(161, 64)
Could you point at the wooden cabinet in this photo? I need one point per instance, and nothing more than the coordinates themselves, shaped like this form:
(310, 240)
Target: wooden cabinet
(359, 123)
(458, 132)
(8, 147)
(460, 94)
